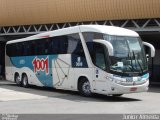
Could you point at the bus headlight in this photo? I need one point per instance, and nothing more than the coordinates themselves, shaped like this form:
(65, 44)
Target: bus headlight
(117, 81)
(110, 79)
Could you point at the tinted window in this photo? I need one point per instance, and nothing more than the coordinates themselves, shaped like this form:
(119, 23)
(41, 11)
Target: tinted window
(67, 44)
(75, 45)
(14, 49)
(98, 54)
(58, 45)
(53, 47)
(41, 47)
(99, 57)
(9, 50)
(27, 49)
(63, 44)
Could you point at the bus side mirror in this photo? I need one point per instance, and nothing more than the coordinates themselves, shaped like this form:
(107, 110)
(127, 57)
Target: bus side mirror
(151, 48)
(107, 44)
(147, 56)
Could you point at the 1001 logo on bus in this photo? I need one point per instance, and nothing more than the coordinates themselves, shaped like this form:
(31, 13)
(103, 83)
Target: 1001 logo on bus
(40, 65)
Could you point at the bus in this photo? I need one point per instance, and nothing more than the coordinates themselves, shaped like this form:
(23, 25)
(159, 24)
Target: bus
(86, 58)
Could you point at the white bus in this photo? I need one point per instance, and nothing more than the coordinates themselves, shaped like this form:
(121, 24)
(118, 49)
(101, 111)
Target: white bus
(87, 58)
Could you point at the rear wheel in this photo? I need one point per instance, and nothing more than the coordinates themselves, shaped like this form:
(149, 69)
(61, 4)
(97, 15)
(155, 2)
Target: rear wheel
(84, 87)
(25, 81)
(18, 80)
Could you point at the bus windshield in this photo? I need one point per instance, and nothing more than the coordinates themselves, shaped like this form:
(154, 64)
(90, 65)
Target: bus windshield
(129, 55)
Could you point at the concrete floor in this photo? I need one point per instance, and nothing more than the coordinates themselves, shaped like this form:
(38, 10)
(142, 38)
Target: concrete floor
(38, 100)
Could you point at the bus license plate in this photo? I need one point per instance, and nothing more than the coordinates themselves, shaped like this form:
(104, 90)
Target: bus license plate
(133, 89)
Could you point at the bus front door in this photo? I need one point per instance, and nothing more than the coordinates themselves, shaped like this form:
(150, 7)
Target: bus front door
(100, 63)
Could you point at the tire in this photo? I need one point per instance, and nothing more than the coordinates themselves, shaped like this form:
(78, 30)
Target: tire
(18, 80)
(84, 87)
(117, 95)
(25, 81)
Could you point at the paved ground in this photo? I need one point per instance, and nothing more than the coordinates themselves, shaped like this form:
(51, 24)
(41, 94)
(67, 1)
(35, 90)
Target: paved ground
(39, 100)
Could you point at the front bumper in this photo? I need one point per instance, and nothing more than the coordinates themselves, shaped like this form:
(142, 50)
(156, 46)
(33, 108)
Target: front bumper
(121, 89)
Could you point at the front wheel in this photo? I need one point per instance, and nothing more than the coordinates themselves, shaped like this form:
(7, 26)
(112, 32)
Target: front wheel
(85, 88)
(25, 81)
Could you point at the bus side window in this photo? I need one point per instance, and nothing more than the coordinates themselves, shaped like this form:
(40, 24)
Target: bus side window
(53, 47)
(12, 52)
(46, 47)
(33, 48)
(22, 49)
(100, 58)
(15, 50)
(58, 45)
(50, 46)
(40, 47)
(68, 44)
(26, 49)
(75, 45)
(91, 49)
(73, 40)
(79, 50)
(9, 50)
(63, 40)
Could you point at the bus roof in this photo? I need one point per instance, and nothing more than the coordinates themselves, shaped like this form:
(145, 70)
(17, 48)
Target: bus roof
(111, 30)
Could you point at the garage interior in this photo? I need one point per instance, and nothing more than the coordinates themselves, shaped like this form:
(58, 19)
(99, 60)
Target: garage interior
(154, 63)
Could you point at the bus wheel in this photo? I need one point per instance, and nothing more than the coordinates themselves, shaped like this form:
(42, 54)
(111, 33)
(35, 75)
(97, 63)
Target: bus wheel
(117, 95)
(17, 79)
(25, 81)
(84, 87)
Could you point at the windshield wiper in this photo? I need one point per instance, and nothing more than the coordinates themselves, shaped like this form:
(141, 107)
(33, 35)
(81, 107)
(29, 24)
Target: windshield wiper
(129, 55)
(137, 61)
